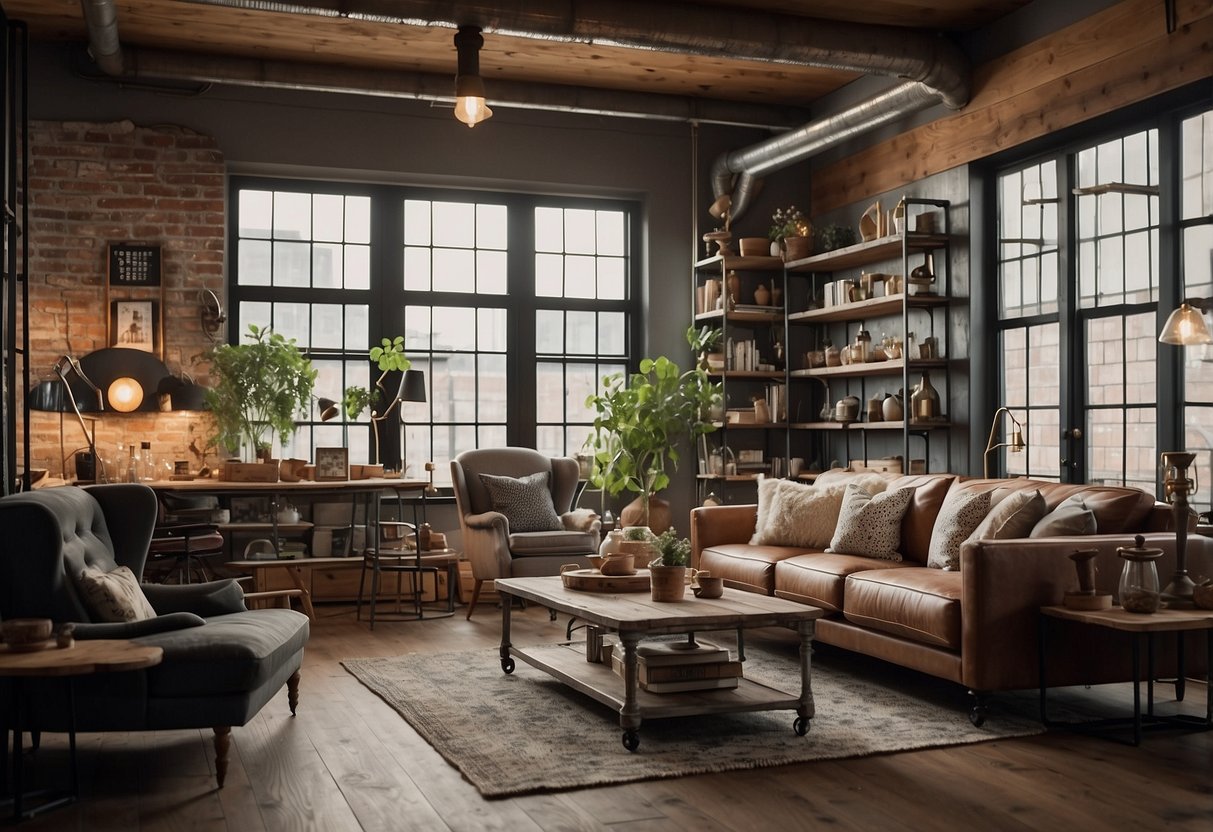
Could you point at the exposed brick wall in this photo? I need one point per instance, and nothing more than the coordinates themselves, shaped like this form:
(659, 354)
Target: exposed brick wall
(95, 184)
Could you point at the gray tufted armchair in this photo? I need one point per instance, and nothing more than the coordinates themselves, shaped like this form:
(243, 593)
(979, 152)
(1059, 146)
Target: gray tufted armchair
(222, 662)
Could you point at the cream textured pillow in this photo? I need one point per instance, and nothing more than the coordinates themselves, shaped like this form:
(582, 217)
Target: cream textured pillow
(870, 524)
(767, 488)
(1071, 517)
(1014, 517)
(802, 515)
(958, 518)
(114, 596)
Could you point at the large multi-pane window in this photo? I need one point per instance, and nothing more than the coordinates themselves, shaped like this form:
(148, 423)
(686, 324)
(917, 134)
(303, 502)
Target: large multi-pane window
(1081, 273)
(513, 307)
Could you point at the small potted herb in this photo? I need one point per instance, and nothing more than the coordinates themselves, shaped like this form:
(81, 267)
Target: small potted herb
(667, 572)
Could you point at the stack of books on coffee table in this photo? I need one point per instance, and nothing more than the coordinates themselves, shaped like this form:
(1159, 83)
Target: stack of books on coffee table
(673, 667)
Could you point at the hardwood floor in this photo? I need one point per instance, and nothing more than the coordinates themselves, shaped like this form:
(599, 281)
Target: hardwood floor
(349, 762)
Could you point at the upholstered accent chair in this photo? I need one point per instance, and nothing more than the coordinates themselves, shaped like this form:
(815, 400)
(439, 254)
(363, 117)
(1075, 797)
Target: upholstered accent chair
(222, 662)
(509, 530)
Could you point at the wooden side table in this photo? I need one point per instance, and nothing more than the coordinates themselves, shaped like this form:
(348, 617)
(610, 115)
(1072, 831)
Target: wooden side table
(81, 659)
(1140, 627)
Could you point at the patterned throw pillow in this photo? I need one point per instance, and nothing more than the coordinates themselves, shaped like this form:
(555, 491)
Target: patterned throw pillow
(870, 525)
(113, 596)
(959, 517)
(526, 502)
(1013, 518)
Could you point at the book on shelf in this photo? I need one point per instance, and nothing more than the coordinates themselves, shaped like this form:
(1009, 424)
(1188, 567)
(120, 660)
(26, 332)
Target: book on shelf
(696, 684)
(659, 653)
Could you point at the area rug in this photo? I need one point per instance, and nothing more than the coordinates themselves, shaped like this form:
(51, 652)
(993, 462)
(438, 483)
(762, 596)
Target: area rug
(527, 732)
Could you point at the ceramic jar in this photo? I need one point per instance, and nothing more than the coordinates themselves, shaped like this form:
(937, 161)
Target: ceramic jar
(891, 408)
(847, 409)
(762, 295)
(924, 401)
(875, 409)
(610, 544)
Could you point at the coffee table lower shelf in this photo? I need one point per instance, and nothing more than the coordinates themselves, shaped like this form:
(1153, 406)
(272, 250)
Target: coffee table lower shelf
(567, 663)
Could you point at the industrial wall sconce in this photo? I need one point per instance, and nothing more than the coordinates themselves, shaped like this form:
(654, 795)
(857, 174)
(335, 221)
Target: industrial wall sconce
(1016, 444)
(1186, 326)
(469, 86)
(211, 315)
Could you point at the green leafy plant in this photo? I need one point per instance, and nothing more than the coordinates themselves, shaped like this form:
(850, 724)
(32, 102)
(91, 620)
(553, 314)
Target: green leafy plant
(356, 400)
(639, 421)
(675, 550)
(638, 533)
(258, 388)
(834, 236)
(388, 357)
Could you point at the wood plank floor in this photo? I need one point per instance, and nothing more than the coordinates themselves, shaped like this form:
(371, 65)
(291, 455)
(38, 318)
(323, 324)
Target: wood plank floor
(349, 762)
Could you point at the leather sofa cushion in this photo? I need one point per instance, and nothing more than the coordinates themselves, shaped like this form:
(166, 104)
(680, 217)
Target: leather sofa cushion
(917, 603)
(744, 566)
(918, 521)
(819, 578)
(530, 544)
(229, 654)
(1117, 510)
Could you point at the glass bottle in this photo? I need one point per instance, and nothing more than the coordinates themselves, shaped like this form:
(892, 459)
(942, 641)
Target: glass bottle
(132, 466)
(924, 400)
(147, 462)
(1138, 590)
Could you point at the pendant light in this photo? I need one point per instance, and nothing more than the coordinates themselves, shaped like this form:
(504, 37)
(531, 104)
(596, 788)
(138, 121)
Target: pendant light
(469, 86)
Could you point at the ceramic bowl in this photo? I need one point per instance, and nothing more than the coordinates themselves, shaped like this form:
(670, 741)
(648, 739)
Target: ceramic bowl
(754, 246)
(25, 632)
(618, 563)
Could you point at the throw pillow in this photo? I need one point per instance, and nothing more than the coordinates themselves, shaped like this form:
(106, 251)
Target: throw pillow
(1071, 517)
(1014, 517)
(767, 488)
(802, 515)
(113, 596)
(526, 502)
(579, 520)
(958, 518)
(870, 524)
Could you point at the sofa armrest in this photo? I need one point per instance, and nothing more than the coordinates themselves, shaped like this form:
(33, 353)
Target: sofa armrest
(488, 521)
(205, 599)
(713, 525)
(1006, 582)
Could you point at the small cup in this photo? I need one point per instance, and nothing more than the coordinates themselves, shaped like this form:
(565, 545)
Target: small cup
(795, 466)
(708, 587)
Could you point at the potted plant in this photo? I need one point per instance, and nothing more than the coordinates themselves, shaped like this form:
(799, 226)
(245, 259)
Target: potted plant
(388, 357)
(667, 572)
(791, 232)
(835, 236)
(639, 421)
(258, 390)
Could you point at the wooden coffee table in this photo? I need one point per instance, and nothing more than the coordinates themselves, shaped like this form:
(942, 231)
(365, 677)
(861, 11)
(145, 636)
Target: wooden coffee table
(634, 616)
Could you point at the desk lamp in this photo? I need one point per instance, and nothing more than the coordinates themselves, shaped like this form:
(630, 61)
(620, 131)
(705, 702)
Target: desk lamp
(412, 389)
(86, 466)
(1017, 443)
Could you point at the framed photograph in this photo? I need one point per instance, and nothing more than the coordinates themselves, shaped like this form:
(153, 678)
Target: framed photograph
(135, 324)
(332, 464)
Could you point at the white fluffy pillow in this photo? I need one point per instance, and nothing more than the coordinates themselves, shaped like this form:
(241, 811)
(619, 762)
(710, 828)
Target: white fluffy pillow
(958, 518)
(767, 487)
(113, 596)
(870, 525)
(801, 515)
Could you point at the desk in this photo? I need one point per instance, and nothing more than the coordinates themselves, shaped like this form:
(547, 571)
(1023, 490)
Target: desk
(81, 659)
(1138, 626)
(299, 569)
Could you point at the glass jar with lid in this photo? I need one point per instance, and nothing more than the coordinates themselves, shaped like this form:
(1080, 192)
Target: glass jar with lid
(1139, 578)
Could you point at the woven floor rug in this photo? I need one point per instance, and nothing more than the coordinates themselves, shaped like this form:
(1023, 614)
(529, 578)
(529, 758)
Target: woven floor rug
(526, 732)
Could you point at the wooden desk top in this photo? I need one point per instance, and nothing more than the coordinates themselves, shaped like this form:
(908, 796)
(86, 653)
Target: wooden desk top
(213, 486)
(433, 556)
(82, 658)
(1119, 619)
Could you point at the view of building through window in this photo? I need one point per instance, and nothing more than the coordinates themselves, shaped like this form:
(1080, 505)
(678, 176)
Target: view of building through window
(512, 338)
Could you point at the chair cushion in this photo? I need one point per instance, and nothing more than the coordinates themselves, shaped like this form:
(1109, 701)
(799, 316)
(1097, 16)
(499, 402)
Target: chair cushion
(113, 596)
(917, 603)
(870, 524)
(526, 501)
(527, 544)
(820, 578)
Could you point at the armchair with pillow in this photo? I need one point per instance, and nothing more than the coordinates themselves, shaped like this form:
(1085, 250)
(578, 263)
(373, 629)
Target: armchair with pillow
(75, 556)
(516, 514)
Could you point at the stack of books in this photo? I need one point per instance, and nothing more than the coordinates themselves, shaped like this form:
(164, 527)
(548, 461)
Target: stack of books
(672, 667)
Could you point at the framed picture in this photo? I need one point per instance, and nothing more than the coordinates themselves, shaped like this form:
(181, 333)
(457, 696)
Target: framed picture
(135, 324)
(134, 265)
(332, 464)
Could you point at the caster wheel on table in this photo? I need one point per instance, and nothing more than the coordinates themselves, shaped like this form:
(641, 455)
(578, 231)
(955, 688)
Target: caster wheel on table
(631, 740)
(977, 715)
(507, 665)
(800, 726)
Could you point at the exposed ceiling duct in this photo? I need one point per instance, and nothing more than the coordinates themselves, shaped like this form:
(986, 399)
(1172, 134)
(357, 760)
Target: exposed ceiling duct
(934, 68)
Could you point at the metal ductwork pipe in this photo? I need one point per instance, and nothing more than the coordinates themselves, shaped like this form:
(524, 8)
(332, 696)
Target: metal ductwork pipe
(786, 149)
(101, 18)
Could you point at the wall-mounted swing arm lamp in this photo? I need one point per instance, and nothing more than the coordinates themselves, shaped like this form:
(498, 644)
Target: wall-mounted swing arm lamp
(1016, 444)
(469, 86)
(1186, 326)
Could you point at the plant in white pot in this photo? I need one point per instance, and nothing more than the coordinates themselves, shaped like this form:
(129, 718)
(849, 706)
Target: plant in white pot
(258, 389)
(639, 422)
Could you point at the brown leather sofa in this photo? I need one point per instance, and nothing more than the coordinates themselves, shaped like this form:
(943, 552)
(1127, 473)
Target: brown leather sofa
(978, 626)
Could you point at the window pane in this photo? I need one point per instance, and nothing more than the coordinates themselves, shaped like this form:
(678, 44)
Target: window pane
(549, 331)
(292, 264)
(292, 216)
(357, 267)
(492, 397)
(1198, 437)
(327, 321)
(549, 392)
(454, 270)
(327, 266)
(256, 213)
(454, 328)
(549, 229)
(1196, 186)
(611, 237)
(417, 269)
(454, 224)
(416, 222)
(491, 273)
(492, 334)
(328, 220)
(357, 219)
(491, 228)
(253, 263)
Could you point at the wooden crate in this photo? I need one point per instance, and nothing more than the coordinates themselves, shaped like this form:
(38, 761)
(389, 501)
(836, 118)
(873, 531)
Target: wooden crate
(341, 584)
(250, 471)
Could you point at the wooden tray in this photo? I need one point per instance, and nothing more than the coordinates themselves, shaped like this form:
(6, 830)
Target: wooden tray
(591, 580)
(29, 647)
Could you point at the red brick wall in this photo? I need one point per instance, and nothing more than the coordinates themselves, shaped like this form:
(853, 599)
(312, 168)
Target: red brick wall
(95, 184)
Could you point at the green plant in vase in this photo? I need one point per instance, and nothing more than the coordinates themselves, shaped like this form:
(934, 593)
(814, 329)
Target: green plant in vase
(674, 550)
(258, 389)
